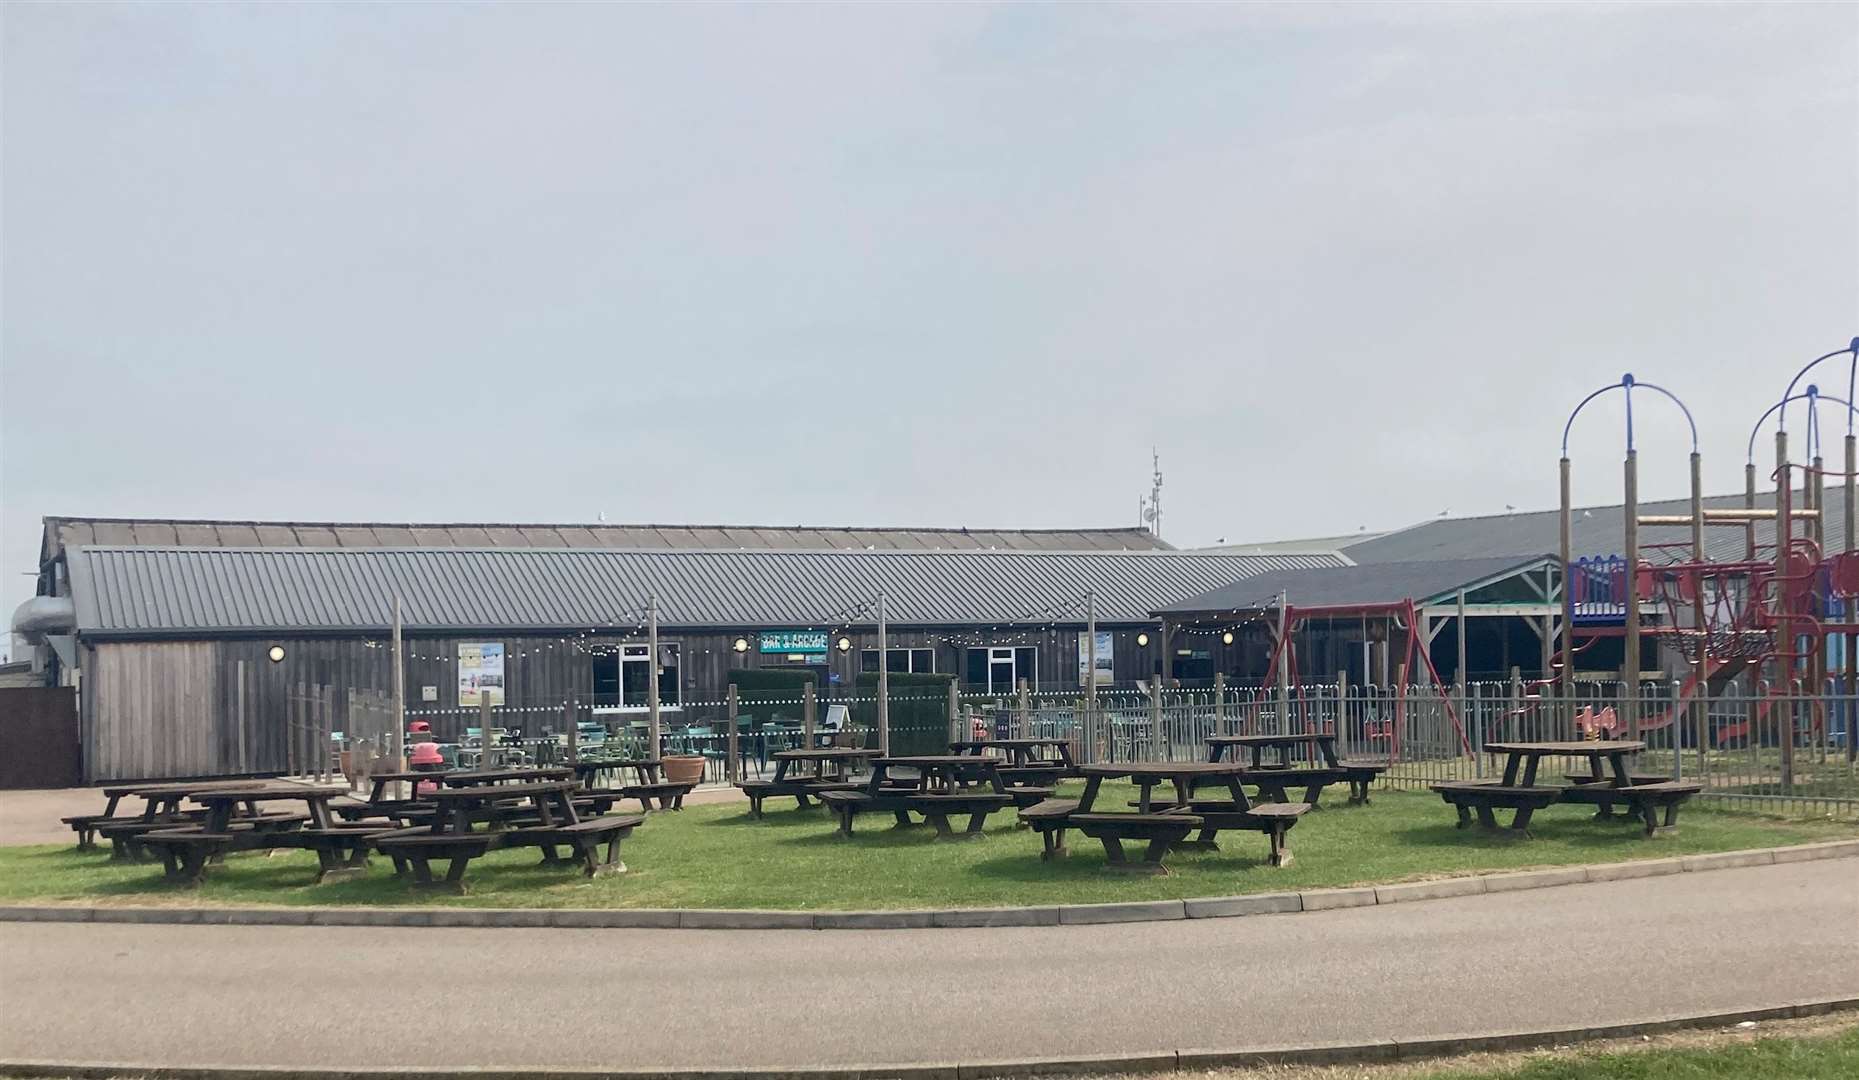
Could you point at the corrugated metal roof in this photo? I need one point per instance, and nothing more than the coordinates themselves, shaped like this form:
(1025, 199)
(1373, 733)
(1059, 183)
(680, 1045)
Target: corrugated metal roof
(193, 591)
(1594, 530)
(1354, 586)
(70, 532)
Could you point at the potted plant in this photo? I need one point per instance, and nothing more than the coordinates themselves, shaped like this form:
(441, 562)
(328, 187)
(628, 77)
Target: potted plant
(684, 768)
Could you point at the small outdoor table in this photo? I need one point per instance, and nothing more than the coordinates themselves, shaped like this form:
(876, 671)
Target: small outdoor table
(1322, 747)
(1164, 827)
(221, 805)
(826, 765)
(161, 808)
(516, 774)
(187, 849)
(1034, 762)
(945, 784)
(1525, 756)
(459, 805)
(804, 774)
(589, 771)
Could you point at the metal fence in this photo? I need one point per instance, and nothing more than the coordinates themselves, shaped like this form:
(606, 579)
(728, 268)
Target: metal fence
(1790, 752)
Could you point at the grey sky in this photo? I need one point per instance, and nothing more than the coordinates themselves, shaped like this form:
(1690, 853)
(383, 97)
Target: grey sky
(937, 265)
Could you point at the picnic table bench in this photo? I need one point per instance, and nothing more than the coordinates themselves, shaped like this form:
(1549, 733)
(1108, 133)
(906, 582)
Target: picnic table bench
(1209, 816)
(1032, 762)
(648, 784)
(186, 850)
(805, 774)
(1322, 766)
(945, 785)
(549, 821)
(1518, 790)
(156, 798)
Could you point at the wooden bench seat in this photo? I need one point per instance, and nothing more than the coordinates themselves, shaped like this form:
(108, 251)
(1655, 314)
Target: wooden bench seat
(1050, 818)
(414, 849)
(1162, 831)
(1654, 803)
(1484, 796)
(86, 825)
(1029, 796)
(1359, 775)
(800, 790)
(341, 850)
(669, 793)
(847, 805)
(185, 851)
(1217, 815)
(585, 839)
(936, 809)
(1032, 775)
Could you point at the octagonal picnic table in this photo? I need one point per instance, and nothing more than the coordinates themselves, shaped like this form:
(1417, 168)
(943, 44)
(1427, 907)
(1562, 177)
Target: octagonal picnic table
(1166, 824)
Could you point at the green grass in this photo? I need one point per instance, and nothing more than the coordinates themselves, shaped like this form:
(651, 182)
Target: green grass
(1830, 1058)
(715, 856)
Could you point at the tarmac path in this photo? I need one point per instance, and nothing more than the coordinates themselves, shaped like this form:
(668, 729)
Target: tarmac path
(332, 997)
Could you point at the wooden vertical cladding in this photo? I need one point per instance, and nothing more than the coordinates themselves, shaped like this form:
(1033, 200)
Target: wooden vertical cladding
(221, 707)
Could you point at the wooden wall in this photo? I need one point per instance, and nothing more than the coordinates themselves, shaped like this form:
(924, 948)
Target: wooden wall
(159, 709)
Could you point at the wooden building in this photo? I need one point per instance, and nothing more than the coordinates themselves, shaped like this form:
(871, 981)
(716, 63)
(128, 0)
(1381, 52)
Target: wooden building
(187, 653)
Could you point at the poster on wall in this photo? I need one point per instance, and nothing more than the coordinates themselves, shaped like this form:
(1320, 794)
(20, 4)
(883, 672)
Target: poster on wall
(1106, 658)
(480, 673)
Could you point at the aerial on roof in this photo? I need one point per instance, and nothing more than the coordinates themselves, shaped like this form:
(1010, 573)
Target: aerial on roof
(67, 532)
(131, 591)
(1361, 586)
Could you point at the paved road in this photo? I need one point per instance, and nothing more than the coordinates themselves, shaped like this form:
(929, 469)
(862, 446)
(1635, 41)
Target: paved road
(631, 999)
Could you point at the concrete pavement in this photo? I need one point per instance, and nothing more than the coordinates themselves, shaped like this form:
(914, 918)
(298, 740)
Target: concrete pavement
(332, 997)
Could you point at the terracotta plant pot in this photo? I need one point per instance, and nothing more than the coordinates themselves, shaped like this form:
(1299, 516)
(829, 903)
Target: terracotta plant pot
(684, 768)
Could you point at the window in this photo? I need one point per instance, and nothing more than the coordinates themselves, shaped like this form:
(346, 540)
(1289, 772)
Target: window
(904, 660)
(623, 679)
(998, 668)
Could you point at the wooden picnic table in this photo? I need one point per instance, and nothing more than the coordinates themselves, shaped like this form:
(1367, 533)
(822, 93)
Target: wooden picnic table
(945, 784)
(222, 804)
(588, 771)
(515, 774)
(1021, 753)
(1322, 747)
(1525, 756)
(1166, 825)
(459, 805)
(827, 764)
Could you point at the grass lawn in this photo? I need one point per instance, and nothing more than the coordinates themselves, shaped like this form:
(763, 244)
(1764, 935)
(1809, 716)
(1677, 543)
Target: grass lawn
(1829, 1058)
(715, 856)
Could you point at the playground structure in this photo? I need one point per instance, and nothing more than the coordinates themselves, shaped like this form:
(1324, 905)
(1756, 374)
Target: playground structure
(1780, 614)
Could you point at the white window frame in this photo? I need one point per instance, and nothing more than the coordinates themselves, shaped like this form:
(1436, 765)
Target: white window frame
(1011, 659)
(640, 652)
(910, 666)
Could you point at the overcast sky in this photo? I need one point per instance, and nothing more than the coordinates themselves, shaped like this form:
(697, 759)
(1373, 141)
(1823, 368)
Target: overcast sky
(902, 265)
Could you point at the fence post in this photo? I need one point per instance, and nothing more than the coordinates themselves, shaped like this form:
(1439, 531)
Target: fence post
(1220, 703)
(734, 771)
(324, 731)
(956, 734)
(572, 715)
(1155, 712)
(1025, 709)
(808, 707)
(484, 728)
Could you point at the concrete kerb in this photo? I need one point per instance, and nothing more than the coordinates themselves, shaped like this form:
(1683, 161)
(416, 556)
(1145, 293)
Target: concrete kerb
(1218, 907)
(1154, 1062)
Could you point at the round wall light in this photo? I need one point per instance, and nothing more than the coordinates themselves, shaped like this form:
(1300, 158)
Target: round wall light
(1142, 640)
(276, 653)
(845, 644)
(741, 645)
(1226, 638)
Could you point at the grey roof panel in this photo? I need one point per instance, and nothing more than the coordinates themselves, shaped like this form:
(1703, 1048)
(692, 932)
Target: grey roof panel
(1352, 586)
(198, 591)
(1594, 530)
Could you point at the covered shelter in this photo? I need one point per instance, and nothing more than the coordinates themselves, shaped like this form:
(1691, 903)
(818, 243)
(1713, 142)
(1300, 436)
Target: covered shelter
(1386, 623)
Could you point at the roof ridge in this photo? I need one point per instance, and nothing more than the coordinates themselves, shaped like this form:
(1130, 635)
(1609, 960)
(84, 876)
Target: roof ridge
(959, 530)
